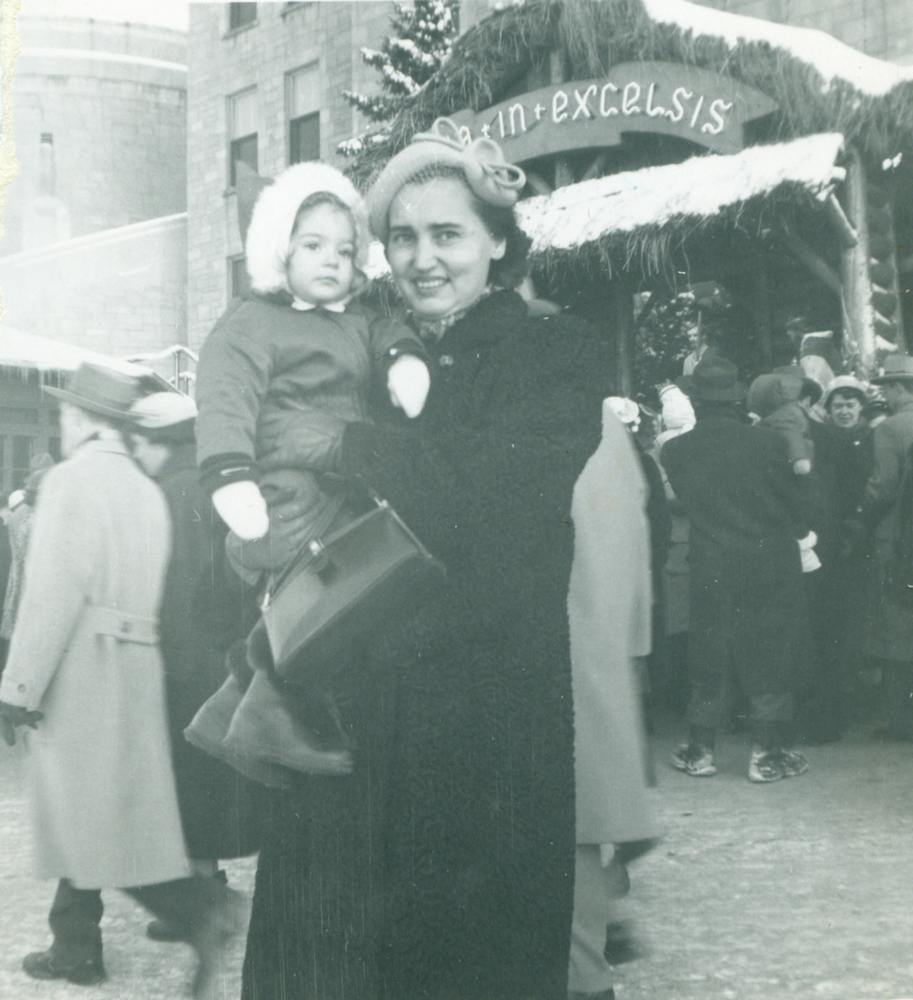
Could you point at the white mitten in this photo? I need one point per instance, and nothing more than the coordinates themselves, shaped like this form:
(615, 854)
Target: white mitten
(408, 383)
(242, 507)
(810, 560)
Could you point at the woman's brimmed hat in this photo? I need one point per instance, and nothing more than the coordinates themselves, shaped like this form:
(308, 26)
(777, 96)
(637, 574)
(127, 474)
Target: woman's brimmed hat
(848, 385)
(100, 390)
(714, 380)
(490, 177)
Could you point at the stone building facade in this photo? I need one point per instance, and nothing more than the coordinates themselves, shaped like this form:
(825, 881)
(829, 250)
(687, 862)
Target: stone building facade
(99, 124)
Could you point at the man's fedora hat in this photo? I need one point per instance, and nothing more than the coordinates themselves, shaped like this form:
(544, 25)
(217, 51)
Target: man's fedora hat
(714, 380)
(100, 390)
(897, 368)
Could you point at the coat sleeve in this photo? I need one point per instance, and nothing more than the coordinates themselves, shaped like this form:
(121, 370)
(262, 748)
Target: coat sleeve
(490, 496)
(60, 564)
(233, 377)
(883, 486)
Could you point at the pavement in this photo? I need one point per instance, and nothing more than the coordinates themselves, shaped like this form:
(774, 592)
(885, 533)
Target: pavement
(793, 890)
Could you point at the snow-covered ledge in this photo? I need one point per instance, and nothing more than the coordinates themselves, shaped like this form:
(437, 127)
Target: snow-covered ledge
(701, 187)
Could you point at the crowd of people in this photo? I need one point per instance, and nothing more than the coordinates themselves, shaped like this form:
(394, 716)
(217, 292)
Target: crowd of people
(464, 831)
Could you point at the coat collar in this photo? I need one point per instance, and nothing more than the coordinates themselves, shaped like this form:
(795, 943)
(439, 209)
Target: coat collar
(110, 446)
(487, 322)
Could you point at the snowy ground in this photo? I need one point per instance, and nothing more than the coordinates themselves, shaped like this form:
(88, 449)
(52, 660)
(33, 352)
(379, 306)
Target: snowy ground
(798, 890)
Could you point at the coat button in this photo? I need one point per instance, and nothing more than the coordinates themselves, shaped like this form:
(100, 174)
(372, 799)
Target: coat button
(20, 688)
(125, 628)
(445, 360)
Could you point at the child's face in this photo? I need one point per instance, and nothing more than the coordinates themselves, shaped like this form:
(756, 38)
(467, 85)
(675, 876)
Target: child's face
(321, 263)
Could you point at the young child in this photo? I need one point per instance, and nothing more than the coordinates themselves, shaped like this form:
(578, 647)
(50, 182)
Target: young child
(288, 367)
(782, 400)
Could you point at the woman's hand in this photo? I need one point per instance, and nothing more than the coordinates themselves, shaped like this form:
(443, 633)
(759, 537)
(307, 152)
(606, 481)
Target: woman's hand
(289, 525)
(408, 382)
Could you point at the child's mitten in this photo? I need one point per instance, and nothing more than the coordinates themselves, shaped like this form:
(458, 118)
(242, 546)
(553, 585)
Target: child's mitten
(810, 560)
(408, 382)
(242, 507)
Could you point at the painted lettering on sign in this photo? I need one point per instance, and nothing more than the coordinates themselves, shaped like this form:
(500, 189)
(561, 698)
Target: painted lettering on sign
(668, 98)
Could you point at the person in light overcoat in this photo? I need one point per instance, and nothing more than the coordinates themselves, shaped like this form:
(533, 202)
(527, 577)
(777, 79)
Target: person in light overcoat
(85, 672)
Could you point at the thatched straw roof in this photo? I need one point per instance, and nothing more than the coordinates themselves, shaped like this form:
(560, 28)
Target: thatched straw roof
(819, 84)
(643, 214)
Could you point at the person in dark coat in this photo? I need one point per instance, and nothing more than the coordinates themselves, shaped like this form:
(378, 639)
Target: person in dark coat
(843, 462)
(203, 611)
(888, 624)
(748, 617)
(442, 868)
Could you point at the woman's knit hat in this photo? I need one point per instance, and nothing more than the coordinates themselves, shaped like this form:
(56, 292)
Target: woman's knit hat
(481, 161)
(269, 234)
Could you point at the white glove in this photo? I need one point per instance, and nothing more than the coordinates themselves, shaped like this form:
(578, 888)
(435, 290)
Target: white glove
(408, 382)
(810, 560)
(242, 507)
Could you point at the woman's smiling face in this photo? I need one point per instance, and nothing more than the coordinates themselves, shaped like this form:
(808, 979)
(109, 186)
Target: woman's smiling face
(439, 249)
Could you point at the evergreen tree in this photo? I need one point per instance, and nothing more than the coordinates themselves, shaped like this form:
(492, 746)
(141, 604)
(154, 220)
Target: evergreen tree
(422, 37)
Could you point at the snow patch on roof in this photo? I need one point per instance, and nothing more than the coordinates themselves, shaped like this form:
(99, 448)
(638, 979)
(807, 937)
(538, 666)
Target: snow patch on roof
(831, 58)
(19, 349)
(700, 187)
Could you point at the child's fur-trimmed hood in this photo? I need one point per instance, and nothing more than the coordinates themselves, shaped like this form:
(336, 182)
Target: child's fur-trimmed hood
(269, 235)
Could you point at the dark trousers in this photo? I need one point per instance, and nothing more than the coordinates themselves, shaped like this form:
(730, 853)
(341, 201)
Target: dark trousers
(76, 913)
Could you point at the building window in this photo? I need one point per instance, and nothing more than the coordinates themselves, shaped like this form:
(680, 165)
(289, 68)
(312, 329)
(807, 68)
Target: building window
(304, 114)
(238, 278)
(240, 15)
(242, 128)
(22, 455)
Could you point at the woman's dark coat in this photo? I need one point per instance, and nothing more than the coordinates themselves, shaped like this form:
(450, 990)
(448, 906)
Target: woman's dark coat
(202, 613)
(443, 867)
(748, 608)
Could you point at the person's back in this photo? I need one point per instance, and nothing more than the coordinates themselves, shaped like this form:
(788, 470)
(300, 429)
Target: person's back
(735, 483)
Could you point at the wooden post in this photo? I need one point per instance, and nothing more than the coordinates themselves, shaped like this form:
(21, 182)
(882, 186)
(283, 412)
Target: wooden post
(760, 293)
(620, 316)
(564, 175)
(857, 287)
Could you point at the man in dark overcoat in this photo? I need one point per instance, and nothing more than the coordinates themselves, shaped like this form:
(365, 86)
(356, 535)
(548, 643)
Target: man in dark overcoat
(748, 619)
(888, 623)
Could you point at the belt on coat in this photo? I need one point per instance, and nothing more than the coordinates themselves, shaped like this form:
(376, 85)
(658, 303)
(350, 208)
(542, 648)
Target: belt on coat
(123, 625)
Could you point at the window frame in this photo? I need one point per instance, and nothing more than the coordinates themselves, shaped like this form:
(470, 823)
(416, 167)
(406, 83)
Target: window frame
(233, 29)
(291, 120)
(234, 140)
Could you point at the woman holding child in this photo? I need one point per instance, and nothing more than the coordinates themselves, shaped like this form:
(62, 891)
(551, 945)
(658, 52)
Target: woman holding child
(442, 866)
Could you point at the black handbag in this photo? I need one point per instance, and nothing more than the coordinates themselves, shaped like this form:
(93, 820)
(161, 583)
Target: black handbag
(340, 590)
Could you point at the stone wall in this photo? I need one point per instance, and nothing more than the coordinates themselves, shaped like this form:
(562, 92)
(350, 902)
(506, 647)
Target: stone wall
(99, 124)
(120, 292)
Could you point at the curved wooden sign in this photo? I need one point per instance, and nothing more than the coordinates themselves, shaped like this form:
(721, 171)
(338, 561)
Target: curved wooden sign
(666, 98)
